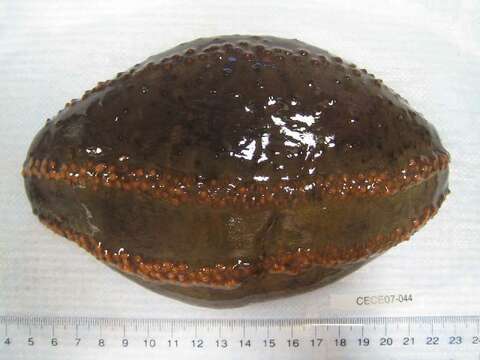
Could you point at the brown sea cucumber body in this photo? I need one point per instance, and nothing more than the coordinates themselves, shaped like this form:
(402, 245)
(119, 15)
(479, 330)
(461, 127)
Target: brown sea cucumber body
(237, 168)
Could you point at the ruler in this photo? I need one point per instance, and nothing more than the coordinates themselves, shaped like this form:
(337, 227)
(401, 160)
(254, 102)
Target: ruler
(420, 337)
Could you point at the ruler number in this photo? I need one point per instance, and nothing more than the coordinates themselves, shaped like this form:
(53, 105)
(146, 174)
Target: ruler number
(269, 343)
(245, 343)
(364, 342)
(77, 341)
(101, 342)
(386, 341)
(150, 343)
(316, 342)
(197, 343)
(476, 340)
(125, 342)
(54, 342)
(30, 341)
(7, 341)
(221, 343)
(455, 340)
(173, 343)
(432, 340)
(342, 342)
(408, 341)
(293, 343)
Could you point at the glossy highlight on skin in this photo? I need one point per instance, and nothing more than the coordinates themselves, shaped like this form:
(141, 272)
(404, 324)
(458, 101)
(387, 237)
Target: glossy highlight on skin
(237, 168)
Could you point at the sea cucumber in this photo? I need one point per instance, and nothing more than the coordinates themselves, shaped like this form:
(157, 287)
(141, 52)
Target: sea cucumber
(237, 168)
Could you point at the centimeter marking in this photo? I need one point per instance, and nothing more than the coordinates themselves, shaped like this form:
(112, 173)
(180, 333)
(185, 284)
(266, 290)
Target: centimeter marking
(262, 338)
(288, 322)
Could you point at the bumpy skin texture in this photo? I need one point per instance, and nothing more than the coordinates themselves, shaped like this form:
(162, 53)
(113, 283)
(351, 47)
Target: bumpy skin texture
(237, 168)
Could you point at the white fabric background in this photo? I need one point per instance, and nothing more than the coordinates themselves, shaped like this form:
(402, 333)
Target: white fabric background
(51, 51)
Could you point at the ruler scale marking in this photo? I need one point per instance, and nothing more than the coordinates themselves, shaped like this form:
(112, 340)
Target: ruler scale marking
(281, 334)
